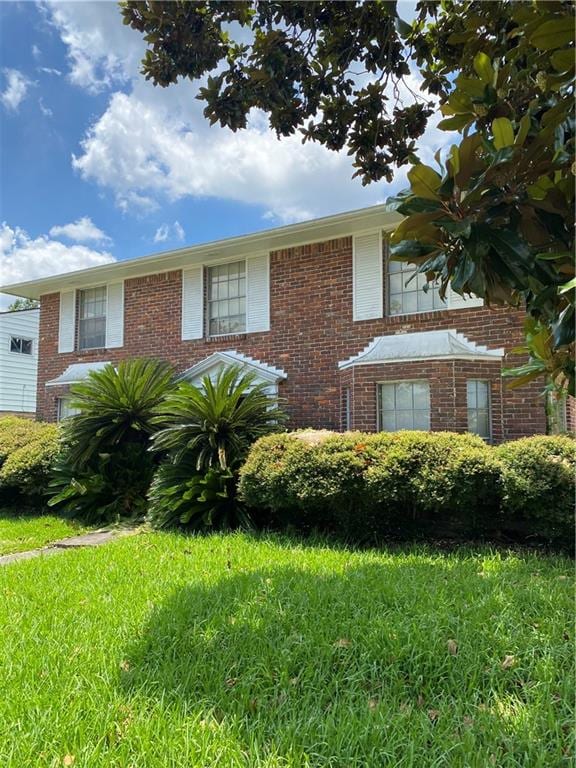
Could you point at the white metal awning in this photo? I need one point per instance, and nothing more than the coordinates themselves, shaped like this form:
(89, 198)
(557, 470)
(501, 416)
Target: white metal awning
(425, 345)
(75, 373)
(218, 360)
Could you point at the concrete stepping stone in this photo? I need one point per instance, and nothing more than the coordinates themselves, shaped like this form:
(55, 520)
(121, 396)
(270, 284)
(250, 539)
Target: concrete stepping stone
(93, 539)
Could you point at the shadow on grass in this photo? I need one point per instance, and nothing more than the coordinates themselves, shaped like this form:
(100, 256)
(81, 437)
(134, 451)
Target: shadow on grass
(290, 659)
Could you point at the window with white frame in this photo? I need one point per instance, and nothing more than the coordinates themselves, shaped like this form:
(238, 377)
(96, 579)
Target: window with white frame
(406, 294)
(20, 346)
(65, 410)
(92, 318)
(226, 298)
(478, 404)
(404, 405)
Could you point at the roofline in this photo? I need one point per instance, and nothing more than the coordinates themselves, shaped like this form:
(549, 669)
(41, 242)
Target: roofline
(287, 236)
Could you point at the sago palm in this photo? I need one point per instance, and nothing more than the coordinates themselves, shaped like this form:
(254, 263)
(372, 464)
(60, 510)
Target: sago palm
(216, 422)
(117, 405)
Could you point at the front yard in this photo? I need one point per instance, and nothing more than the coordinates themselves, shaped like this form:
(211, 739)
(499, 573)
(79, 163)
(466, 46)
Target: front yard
(162, 650)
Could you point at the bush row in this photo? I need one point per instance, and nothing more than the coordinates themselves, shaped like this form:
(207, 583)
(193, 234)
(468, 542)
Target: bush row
(28, 450)
(370, 486)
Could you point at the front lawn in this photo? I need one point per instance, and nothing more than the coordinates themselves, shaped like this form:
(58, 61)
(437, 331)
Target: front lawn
(21, 532)
(164, 651)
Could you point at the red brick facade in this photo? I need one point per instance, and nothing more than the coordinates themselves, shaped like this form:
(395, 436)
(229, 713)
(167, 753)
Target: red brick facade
(312, 330)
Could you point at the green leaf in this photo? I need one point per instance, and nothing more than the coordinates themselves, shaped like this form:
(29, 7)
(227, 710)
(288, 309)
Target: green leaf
(410, 249)
(483, 68)
(569, 286)
(455, 123)
(424, 181)
(553, 34)
(562, 61)
(503, 132)
(523, 128)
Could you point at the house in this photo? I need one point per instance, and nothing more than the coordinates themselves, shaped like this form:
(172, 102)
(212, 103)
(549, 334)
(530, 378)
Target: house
(18, 361)
(316, 310)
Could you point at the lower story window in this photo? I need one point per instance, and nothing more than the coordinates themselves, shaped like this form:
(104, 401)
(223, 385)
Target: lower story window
(65, 409)
(404, 405)
(478, 403)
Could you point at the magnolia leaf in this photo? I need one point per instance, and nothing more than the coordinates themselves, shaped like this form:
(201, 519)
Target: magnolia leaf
(503, 132)
(456, 123)
(569, 286)
(523, 128)
(553, 34)
(454, 159)
(470, 86)
(424, 181)
(562, 61)
(483, 68)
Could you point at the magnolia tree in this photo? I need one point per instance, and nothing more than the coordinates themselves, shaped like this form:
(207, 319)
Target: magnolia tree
(493, 218)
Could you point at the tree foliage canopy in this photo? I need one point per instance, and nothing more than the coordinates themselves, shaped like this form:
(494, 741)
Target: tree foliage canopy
(495, 217)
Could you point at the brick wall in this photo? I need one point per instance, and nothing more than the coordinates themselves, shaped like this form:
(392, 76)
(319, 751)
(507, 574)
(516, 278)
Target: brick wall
(311, 331)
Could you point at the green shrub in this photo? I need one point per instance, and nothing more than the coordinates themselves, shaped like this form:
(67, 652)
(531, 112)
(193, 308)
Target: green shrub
(207, 434)
(28, 469)
(538, 485)
(365, 486)
(16, 432)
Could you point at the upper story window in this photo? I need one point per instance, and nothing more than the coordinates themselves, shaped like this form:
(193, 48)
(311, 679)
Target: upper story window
(226, 311)
(92, 318)
(478, 404)
(405, 298)
(20, 346)
(404, 405)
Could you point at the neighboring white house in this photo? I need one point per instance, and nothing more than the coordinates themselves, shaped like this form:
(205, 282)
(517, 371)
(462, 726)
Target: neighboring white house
(18, 360)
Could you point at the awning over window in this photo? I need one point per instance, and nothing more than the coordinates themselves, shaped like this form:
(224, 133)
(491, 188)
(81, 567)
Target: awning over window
(425, 345)
(75, 373)
(212, 364)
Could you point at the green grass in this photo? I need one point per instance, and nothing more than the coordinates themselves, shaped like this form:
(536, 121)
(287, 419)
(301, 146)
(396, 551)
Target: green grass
(163, 651)
(21, 532)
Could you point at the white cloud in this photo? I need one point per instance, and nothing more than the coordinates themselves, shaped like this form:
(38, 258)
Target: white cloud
(17, 87)
(82, 231)
(102, 51)
(46, 111)
(24, 258)
(169, 232)
(49, 71)
(36, 52)
(153, 145)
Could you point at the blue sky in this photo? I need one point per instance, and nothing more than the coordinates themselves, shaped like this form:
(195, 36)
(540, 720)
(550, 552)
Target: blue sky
(96, 164)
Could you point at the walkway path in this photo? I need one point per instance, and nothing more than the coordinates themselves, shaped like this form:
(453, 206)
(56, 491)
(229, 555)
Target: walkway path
(94, 539)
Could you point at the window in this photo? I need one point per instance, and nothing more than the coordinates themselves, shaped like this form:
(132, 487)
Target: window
(346, 409)
(405, 297)
(20, 346)
(92, 318)
(227, 299)
(478, 403)
(404, 405)
(64, 408)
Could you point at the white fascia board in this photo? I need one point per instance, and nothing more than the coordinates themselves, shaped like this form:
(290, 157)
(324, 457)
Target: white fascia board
(290, 236)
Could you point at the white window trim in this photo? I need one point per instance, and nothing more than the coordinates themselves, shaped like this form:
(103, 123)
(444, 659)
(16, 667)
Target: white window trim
(77, 317)
(22, 338)
(398, 381)
(60, 401)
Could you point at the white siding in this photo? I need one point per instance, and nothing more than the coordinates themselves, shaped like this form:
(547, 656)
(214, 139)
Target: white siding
(258, 294)
(18, 372)
(115, 315)
(368, 293)
(67, 321)
(192, 303)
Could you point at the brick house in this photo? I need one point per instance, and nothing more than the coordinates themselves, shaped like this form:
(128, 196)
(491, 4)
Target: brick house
(315, 309)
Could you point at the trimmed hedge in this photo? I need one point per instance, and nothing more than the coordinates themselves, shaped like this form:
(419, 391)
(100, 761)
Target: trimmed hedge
(538, 484)
(370, 486)
(28, 469)
(16, 432)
